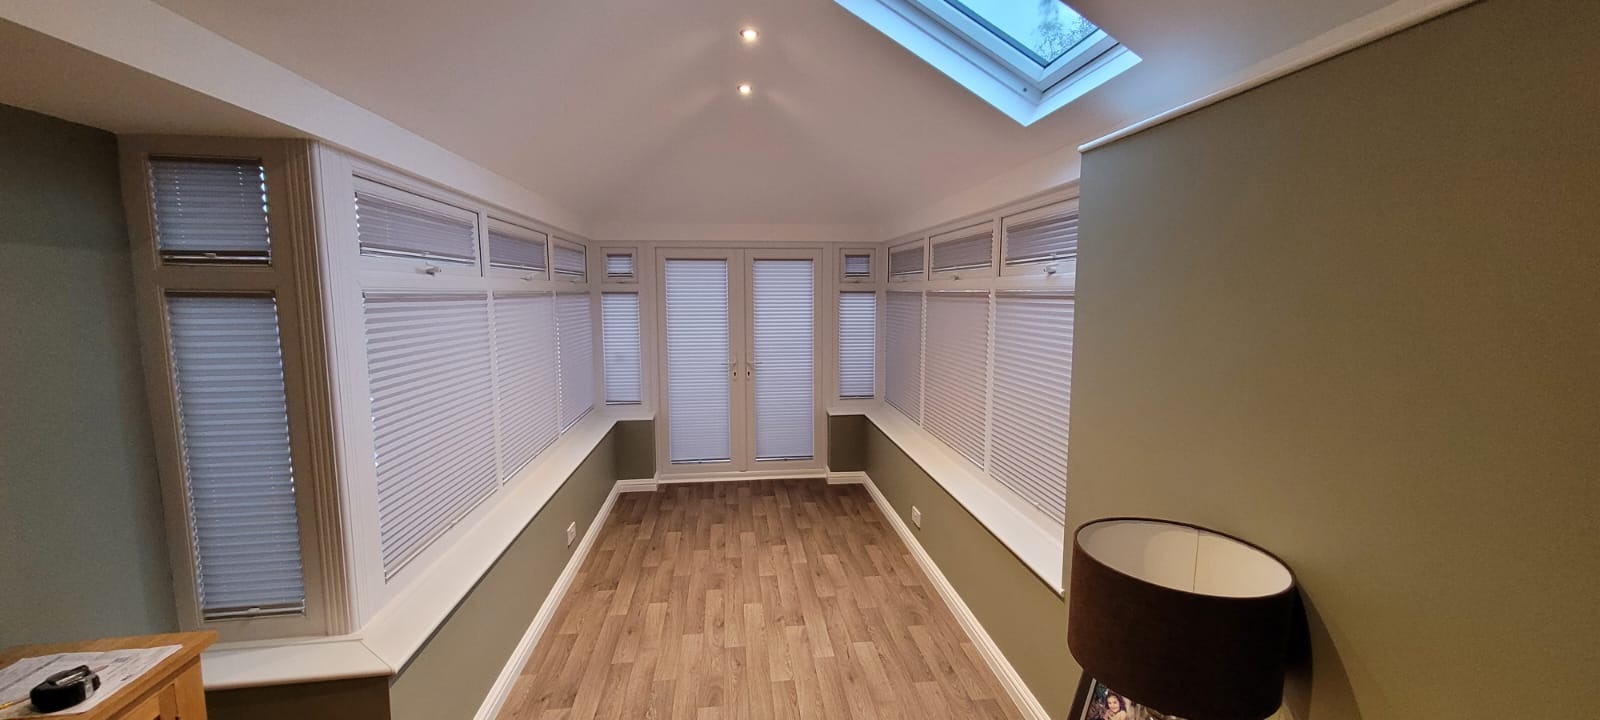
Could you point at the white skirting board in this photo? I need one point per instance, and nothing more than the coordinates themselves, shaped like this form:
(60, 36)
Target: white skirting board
(1020, 694)
(530, 639)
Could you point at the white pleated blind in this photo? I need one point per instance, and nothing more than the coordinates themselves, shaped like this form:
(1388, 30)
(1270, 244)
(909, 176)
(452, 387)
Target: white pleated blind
(575, 349)
(210, 210)
(234, 425)
(525, 377)
(858, 341)
(783, 310)
(906, 262)
(698, 360)
(957, 367)
(964, 250)
(857, 267)
(395, 223)
(902, 357)
(428, 363)
(619, 335)
(1043, 239)
(569, 260)
(619, 266)
(517, 248)
(1032, 397)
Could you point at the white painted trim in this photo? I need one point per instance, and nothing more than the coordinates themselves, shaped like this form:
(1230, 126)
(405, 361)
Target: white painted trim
(742, 476)
(513, 668)
(1349, 36)
(639, 485)
(1009, 679)
(854, 477)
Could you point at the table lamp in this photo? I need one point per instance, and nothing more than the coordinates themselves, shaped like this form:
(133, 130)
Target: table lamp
(1182, 620)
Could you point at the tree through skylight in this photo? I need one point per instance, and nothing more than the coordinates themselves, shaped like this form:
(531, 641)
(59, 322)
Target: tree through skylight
(1045, 31)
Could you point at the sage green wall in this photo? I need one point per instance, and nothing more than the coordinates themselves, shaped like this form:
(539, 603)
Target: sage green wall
(449, 677)
(1026, 618)
(847, 443)
(1354, 316)
(82, 549)
(636, 449)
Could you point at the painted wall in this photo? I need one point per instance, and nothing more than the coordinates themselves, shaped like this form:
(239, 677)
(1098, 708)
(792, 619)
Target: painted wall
(847, 443)
(81, 543)
(1026, 618)
(1354, 316)
(636, 449)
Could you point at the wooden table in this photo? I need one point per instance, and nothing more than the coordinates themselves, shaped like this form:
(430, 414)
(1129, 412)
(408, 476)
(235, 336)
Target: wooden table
(172, 690)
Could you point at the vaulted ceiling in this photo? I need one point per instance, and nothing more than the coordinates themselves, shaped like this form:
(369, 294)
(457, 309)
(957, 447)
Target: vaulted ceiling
(626, 110)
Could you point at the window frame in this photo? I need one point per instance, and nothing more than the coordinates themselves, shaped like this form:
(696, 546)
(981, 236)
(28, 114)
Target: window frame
(525, 275)
(872, 264)
(397, 188)
(999, 49)
(921, 274)
(1065, 272)
(606, 278)
(972, 273)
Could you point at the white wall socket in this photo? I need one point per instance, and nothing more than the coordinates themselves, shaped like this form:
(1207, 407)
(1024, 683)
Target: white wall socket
(916, 517)
(572, 533)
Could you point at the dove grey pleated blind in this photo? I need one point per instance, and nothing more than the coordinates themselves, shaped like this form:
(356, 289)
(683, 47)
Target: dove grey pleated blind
(429, 369)
(902, 354)
(1032, 397)
(857, 267)
(238, 471)
(906, 262)
(619, 266)
(957, 367)
(526, 377)
(210, 210)
(858, 344)
(1043, 239)
(783, 339)
(517, 248)
(967, 249)
(619, 336)
(699, 386)
(395, 223)
(569, 260)
(575, 351)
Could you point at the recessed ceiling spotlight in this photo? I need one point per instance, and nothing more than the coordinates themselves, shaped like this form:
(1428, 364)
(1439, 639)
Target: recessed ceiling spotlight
(745, 89)
(749, 34)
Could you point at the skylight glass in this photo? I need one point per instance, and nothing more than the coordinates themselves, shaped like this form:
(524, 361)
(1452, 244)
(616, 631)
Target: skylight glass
(1044, 30)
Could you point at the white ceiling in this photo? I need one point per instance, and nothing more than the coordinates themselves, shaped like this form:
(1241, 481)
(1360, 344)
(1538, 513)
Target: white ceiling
(625, 109)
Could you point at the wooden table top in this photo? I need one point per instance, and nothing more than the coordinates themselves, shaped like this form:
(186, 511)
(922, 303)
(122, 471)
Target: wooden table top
(191, 644)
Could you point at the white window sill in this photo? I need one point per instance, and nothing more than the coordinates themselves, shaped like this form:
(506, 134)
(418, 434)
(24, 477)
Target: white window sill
(1036, 540)
(400, 629)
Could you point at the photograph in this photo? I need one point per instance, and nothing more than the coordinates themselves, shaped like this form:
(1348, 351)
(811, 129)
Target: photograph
(1103, 703)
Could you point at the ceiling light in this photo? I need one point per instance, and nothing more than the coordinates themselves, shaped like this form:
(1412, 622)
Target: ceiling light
(745, 89)
(749, 34)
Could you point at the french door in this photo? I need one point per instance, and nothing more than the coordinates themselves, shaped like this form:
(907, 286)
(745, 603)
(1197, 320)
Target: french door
(739, 359)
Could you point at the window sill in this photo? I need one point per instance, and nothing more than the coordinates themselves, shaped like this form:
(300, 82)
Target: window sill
(400, 629)
(1035, 539)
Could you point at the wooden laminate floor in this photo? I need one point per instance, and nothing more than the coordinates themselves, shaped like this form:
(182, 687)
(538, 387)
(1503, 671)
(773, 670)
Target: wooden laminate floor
(772, 599)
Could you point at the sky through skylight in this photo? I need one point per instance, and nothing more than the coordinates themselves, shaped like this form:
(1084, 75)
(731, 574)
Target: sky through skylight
(1044, 30)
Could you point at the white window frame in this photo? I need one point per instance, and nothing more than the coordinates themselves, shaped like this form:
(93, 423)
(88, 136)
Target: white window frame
(872, 263)
(521, 274)
(588, 260)
(606, 278)
(290, 278)
(956, 234)
(1057, 273)
(392, 186)
(921, 276)
(1019, 64)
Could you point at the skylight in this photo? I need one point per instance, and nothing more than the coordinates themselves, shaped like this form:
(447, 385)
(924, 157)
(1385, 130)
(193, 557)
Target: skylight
(1027, 58)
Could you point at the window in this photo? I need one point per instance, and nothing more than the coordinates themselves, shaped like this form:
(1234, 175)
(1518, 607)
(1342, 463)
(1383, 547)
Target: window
(956, 367)
(856, 266)
(1032, 396)
(569, 260)
(619, 335)
(1043, 240)
(428, 364)
(516, 248)
(1043, 32)
(965, 249)
(526, 377)
(698, 358)
(858, 340)
(620, 266)
(903, 354)
(783, 335)
(398, 224)
(575, 351)
(233, 418)
(906, 261)
(210, 210)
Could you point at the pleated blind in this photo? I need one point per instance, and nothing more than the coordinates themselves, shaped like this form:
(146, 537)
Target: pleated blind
(1032, 397)
(957, 367)
(575, 349)
(902, 354)
(783, 333)
(428, 363)
(517, 248)
(210, 210)
(906, 262)
(1044, 239)
(234, 425)
(698, 359)
(619, 335)
(857, 267)
(525, 376)
(967, 249)
(569, 260)
(858, 340)
(395, 223)
(619, 266)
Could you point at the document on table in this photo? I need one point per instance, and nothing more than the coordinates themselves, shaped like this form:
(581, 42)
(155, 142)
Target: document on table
(117, 668)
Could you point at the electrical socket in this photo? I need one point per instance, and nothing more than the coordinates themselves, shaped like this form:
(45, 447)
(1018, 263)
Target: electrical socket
(572, 533)
(916, 517)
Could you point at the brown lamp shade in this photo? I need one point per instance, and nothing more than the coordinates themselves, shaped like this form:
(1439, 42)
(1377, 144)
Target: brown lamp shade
(1180, 619)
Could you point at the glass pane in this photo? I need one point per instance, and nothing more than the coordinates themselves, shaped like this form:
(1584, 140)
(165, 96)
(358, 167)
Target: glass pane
(1044, 30)
(784, 328)
(699, 394)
